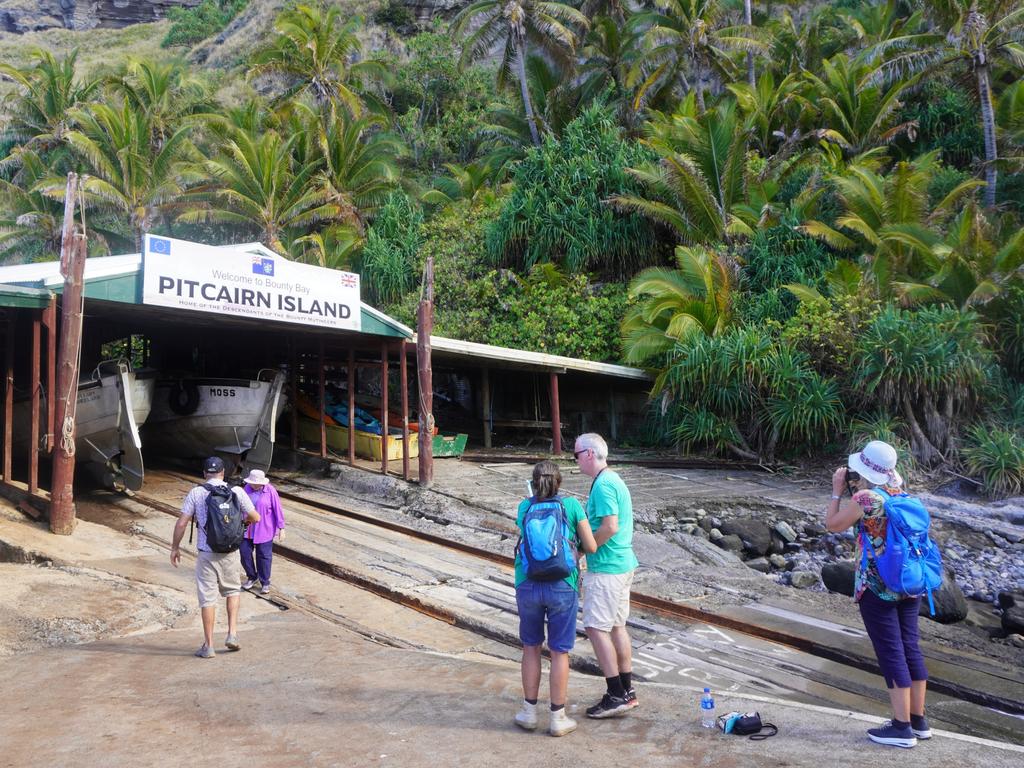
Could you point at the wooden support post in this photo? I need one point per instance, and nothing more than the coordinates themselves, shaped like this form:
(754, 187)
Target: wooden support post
(384, 436)
(613, 420)
(323, 404)
(50, 321)
(403, 373)
(352, 407)
(293, 365)
(425, 374)
(485, 392)
(33, 450)
(8, 394)
(556, 420)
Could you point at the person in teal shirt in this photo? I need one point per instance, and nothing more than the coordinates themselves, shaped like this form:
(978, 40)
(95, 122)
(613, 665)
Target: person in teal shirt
(554, 603)
(609, 576)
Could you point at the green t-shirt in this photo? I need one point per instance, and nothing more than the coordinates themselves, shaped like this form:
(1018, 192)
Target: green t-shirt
(610, 496)
(573, 514)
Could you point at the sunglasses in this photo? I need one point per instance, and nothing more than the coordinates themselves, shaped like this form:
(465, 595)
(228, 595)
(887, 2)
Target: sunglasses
(576, 454)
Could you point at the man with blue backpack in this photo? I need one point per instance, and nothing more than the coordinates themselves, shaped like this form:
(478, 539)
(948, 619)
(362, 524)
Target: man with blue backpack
(552, 530)
(897, 564)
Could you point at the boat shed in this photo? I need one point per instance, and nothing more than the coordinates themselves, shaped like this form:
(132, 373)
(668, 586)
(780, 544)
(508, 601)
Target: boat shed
(496, 392)
(119, 319)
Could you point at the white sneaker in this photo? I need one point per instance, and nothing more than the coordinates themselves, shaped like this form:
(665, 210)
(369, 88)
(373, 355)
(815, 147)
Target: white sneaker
(561, 723)
(526, 718)
(248, 583)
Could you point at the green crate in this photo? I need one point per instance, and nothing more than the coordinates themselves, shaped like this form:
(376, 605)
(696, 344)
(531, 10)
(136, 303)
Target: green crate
(449, 445)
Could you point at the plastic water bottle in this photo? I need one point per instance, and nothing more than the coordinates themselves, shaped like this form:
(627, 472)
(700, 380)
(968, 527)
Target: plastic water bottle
(707, 709)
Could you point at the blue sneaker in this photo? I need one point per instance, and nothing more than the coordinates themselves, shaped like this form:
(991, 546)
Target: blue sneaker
(893, 736)
(920, 727)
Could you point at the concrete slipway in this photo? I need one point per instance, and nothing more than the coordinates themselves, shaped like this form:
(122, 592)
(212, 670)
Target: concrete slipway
(306, 691)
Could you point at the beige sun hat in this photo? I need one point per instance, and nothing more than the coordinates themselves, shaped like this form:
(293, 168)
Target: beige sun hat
(877, 463)
(256, 477)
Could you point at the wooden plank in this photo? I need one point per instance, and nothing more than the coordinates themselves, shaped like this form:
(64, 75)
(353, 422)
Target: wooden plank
(33, 450)
(556, 422)
(383, 407)
(8, 395)
(323, 403)
(404, 375)
(352, 407)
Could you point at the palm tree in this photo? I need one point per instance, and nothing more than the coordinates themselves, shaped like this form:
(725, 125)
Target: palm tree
(257, 182)
(975, 34)
(674, 304)
(685, 37)
(469, 183)
(517, 25)
(767, 109)
(319, 55)
(612, 49)
(38, 111)
(699, 180)
(852, 109)
(122, 172)
(30, 221)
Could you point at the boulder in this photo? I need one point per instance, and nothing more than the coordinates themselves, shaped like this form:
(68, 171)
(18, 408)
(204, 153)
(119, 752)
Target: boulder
(785, 531)
(777, 545)
(755, 535)
(803, 579)
(950, 603)
(1009, 599)
(730, 543)
(839, 577)
(714, 534)
(1013, 620)
(706, 523)
(1016, 640)
(777, 561)
(814, 530)
(759, 564)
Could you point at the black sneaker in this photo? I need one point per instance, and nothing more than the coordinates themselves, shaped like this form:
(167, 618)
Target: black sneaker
(919, 726)
(608, 706)
(892, 736)
(631, 698)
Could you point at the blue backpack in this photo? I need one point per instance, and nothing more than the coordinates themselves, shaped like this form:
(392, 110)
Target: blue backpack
(546, 544)
(911, 563)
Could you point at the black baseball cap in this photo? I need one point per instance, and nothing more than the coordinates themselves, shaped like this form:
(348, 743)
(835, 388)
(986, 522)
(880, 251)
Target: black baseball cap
(213, 465)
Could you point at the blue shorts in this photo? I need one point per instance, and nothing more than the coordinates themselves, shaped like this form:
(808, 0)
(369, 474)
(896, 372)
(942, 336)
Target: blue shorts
(557, 602)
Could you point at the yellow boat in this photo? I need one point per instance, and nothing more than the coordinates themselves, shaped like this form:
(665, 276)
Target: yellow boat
(368, 445)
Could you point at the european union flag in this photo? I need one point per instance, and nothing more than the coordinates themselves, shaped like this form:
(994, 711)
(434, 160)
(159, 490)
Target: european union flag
(159, 245)
(262, 266)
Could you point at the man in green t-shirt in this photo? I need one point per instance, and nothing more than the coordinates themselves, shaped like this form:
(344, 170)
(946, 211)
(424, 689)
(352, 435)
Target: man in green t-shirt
(609, 576)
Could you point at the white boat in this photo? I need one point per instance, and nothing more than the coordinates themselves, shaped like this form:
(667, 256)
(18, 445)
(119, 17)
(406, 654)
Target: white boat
(194, 417)
(112, 403)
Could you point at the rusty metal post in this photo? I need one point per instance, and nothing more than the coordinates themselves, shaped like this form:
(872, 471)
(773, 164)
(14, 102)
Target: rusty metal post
(8, 395)
(403, 372)
(323, 404)
(293, 363)
(556, 420)
(50, 322)
(351, 407)
(33, 450)
(384, 436)
(72, 260)
(425, 375)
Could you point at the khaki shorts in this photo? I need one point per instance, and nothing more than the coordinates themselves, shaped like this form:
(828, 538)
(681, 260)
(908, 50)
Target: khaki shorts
(218, 574)
(606, 599)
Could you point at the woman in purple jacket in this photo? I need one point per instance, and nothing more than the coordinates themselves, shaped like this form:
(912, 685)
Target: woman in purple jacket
(260, 536)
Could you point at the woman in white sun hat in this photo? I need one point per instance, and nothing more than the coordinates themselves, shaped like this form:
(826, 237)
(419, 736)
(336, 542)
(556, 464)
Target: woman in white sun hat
(259, 537)
(890, 618)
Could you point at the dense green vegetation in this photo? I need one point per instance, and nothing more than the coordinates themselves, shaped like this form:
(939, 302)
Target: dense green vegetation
(806, 221)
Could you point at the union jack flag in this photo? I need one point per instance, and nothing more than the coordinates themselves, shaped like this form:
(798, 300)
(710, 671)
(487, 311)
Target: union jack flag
(349, 280)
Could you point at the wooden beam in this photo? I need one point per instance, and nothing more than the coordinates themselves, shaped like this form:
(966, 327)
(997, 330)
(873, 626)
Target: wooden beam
(50, 322)
(33, 451)
(9, 394)
(485, 393)
(293, 365)
(352, 407)
(403, 372)
(384, 436)
(323, 403)
(425, 374)
(613, 421)
(556, 422)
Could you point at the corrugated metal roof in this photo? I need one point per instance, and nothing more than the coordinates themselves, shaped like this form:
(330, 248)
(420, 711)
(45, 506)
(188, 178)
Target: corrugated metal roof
(519, 358)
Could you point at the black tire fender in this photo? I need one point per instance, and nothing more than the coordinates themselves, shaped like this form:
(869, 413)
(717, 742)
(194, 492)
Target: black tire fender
(183, 398)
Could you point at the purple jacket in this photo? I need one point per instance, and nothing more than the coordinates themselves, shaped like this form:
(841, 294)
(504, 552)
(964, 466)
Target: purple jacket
(268, 504)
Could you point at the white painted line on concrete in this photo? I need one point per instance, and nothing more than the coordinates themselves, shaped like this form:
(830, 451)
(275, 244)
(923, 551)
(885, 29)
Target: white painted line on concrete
(801, 618)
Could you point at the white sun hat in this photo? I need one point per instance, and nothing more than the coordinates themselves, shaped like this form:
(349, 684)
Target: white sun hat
(256, 477)
(877, 463)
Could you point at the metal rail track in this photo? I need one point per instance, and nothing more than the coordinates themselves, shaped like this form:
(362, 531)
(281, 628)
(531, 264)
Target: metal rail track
(665, 608)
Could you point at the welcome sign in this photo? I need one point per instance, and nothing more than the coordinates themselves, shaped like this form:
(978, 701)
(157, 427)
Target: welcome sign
(257, 284)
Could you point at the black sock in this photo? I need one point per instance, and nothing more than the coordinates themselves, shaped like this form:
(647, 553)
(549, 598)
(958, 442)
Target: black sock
(627, 680)
(530, 701)
(615, 687)
(900, 724)
(556, 707)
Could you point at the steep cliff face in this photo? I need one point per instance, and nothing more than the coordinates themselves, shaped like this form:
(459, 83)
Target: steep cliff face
(31, 15)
